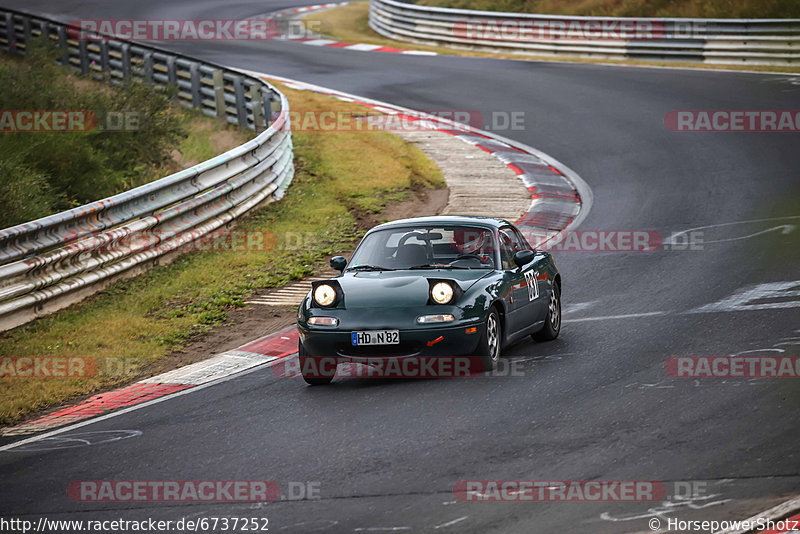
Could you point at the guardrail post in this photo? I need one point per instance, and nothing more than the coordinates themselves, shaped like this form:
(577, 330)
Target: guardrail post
(125, 51)
(270, 104)
(148, 68)
(172, 74)
(48, 30)
(10, 33)
(219, 94)
(104, 64)
(26, 32)
(194, 70)
(62, 44)
(40, 25)
(258, 107)
(241, 107)
(83, 55)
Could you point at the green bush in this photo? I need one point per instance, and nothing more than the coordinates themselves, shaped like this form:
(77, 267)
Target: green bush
(24, 193)
(47, 172)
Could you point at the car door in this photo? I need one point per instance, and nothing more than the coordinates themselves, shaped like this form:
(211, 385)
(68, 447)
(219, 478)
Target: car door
(522, 281)
(536, 278)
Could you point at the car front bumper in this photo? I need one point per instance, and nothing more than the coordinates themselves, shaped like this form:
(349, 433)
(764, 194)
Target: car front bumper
(458, 338)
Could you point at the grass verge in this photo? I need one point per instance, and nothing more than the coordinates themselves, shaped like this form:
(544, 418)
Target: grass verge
(137, 322)
(350, 23)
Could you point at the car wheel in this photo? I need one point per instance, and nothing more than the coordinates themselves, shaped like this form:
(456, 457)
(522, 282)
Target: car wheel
(552, 323)
(489, 345)
(313, 370)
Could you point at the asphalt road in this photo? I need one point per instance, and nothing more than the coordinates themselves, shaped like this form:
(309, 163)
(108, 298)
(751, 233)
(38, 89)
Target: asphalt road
(594, 404)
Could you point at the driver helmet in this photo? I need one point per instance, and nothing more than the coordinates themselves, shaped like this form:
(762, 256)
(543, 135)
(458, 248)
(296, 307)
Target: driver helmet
(469, 240)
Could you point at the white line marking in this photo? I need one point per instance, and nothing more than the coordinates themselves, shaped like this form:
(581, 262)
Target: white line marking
(757, 350)
(209, 370)
(451, 523)
(774, 513)
(388, 111)
(747, 299)
(319, 42)
(615, 317)
(363, 47)
(380, 529)
(578, 306)
(786, 229)
(131, 408)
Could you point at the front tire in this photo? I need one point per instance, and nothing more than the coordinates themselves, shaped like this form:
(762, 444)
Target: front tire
(488, 350)
(313, 369)
(552, 323)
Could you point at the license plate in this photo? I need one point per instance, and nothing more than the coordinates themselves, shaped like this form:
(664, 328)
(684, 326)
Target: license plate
(375, 337)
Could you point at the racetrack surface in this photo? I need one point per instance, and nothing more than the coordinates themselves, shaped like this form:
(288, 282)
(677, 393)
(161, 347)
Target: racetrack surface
(594, 404)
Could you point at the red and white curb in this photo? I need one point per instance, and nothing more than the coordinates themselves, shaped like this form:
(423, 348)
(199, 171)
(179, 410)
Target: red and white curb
(560, 199)
(322, 40)
(360, 47)
(314, 7)
(253, 354)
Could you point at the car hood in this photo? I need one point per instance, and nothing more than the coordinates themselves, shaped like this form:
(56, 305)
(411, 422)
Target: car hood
(400, 288)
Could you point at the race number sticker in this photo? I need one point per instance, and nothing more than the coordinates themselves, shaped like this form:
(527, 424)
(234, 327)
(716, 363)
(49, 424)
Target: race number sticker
(533, 287)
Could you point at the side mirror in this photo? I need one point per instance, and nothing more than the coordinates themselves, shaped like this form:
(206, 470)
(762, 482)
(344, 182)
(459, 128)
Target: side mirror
(338, 263)
(523, 257)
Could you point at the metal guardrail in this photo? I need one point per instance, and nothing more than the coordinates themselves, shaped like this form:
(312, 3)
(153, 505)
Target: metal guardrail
(54, 261)
(720, 41)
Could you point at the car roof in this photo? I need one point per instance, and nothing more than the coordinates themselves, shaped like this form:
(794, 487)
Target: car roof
(465, 220)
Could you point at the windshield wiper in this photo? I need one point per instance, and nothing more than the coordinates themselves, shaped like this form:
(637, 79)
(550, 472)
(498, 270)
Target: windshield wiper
(369, 268)
(438, 266)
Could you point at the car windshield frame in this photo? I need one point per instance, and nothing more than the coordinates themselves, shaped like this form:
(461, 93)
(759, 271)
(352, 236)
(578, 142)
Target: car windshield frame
(364, 255)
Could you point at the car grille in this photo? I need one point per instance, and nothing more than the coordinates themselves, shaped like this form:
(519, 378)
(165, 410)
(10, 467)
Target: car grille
(380, 351)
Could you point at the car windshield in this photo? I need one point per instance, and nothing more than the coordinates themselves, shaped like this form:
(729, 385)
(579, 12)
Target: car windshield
(426, 247)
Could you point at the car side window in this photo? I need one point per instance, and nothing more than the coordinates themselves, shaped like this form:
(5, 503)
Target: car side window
(508, 246)
(522, 242)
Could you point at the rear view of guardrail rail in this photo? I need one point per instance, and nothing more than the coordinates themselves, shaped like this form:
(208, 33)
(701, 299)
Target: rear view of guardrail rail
(720, 41)
(54, 261)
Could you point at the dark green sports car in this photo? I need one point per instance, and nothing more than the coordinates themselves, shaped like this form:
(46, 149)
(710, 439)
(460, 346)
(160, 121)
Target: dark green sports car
(427, 288)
